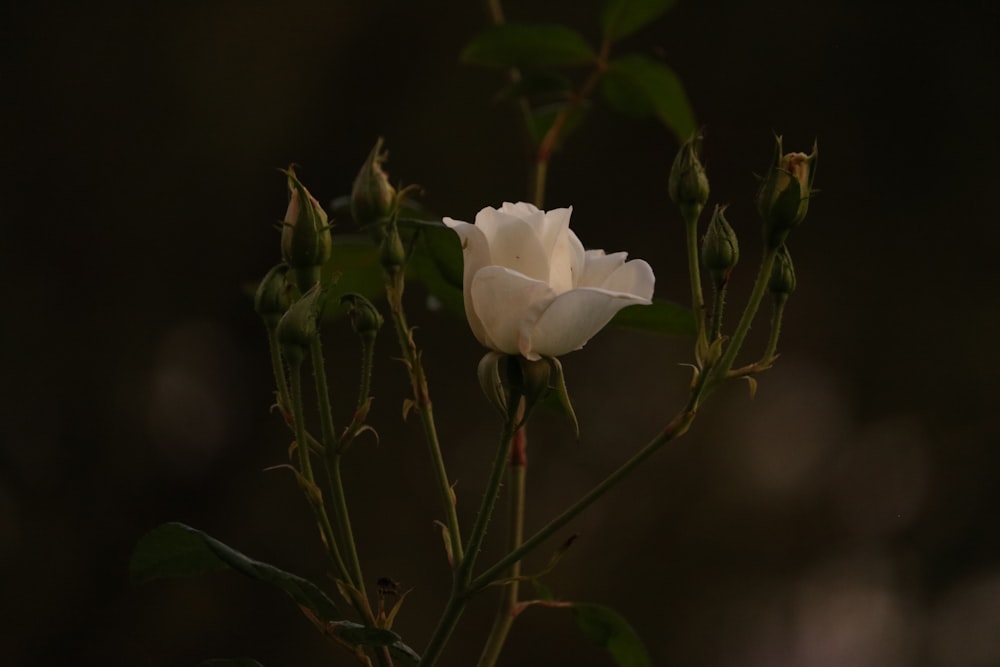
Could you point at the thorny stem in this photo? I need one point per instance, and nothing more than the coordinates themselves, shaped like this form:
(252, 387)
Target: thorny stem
(307, 479)
(694, 276)
(677, 427)
(517, 469)
(280, 380)
(719, 371)
(422, 404)
(463, 573)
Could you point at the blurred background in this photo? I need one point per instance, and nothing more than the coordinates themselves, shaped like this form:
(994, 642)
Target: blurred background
(844, 516)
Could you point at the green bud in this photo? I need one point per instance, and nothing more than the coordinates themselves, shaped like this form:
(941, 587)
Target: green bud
(299, 326)
(688, 185)
(720, 249)
(529, 378)
(782, 281)
(783, 197)
(365, 318)
(306, 241)
(271, 299)
(372, 197)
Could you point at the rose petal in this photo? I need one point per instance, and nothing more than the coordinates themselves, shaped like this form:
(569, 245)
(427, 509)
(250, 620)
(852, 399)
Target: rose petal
(508, 304)
(553, 227)
(475, 255)
(599, 266)
(574, 317)
(515, 245)
(635, 277)
(567, 262)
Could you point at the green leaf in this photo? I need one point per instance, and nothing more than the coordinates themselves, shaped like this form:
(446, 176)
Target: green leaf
(174, 550)
(359, 635)
(662, 317)
(638, 86)
(609, 629)
(538, 83)
(230, 662)
(437, 262)
(354, 264)
(544, 116)
(623, 17)
(540, 45)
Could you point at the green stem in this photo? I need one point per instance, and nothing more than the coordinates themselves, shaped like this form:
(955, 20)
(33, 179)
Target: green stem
(718, 372)
(516, 474)
(694, 276)
(463, 573)
(772, 343)
(313, 495)
(422, 404)
(718, 305)
(677, 427)
(335, 485)
(281, 382)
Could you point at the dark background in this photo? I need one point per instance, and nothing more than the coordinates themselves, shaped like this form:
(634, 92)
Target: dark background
(845, 516)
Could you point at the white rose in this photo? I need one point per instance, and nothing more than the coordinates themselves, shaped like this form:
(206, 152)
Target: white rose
(531, 289)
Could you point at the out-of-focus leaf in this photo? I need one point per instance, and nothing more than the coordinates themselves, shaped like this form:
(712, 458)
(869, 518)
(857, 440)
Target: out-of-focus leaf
(544, 116)
(538, 83)
(623, 17)
(609, 629)
(638, 86)
(437, 263)
(662, 317)
(359, 635)
(174, 550)
(526, 46)
(354, 265)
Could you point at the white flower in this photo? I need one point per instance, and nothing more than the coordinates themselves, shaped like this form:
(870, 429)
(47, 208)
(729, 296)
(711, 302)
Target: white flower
(531, 289)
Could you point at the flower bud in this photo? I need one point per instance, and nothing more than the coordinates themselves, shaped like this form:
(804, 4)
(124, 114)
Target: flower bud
(365, 318)
(720, 249)
(372, 197)
(529, 378)
(783, 198)
(306, 242)
(299, 326)
(271, 299)
(688, 185)
(782, 281)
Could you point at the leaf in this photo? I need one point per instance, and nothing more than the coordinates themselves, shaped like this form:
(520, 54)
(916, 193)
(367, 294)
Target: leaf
(174, 549)
(537, 83)
(354, 260)
(537, 45)
(662, 317)
(543, 117)
(638, 86)
(230, 662)
(609, 629)
(359, 635)
(623, 17)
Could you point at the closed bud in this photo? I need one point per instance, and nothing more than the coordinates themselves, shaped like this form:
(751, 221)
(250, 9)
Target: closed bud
(529, 378)
(688, 185)
(782, 282)
(720, 249)
(783, 198)
(372, 197)
(299, 326)
(271, 299)
(306, 241)
(365, 318)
